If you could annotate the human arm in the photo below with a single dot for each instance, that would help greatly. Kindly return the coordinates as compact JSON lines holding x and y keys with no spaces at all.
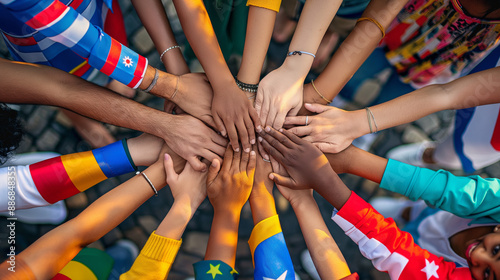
{"x":189,"y":190}
{"x":270,"y":255}
{"x":48,"y":255}
{"x":333,"y":129}
{"x":153,"y":17}
{"x":280,"y":92}
{"x":379,"y":239}
{"x":355,"y":49}
{"x":228,"y":190}
{"x":29,"y":83}
{"x":233,"y":113}
{"x":58,"y":178}
{"x":325,"y":253}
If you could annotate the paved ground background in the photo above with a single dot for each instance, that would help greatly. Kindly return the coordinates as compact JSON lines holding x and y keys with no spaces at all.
{"x":48,"y":130}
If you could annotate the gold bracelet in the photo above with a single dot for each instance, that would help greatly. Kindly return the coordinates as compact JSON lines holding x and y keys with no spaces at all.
{"x":376,"y":23}
{"x":317,"y":91}
{"x":176,"y":88}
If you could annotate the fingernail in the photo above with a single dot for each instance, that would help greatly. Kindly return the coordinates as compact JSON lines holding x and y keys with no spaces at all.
{"x":223,"y":133}
{"x":213,"y":163}
{"x":167,"y":156}
{"x":252,"y":153}
{"x":252,"y":141}
{"x":259,"y":128}
{"x":247,"y":150}
{"x":237,"y":149}
{"x":281,"y":130}
{"x":268,"y":128}
{"x":260,"y":139}
{"x":271,"y":176}
{"x":266,"y":156}
{"x":308,"y":104}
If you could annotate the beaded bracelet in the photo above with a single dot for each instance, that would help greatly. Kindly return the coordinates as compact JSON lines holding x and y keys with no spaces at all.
{"x":300,"y":53}
{"x":165,"y":51}
{"x":246,"y":87}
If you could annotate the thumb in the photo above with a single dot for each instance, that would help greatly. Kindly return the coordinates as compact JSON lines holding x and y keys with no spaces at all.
{"x":259,"y":99}
{"x":169,"y":169}
{"x":282,"y":180}
{"x":196,"y":164}
{"x":327,"y":147}
{"x":213,"y":171}
{"x":317,"y":108}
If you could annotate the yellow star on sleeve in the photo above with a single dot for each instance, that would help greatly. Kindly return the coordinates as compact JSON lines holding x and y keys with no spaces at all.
{"x":234,"y":271}
{"x":214,"y":270}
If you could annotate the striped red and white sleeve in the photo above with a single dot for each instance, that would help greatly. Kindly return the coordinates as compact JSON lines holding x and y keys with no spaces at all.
{"x":390,"y":249}
{"x":58,"y":178}
{"x":64,"y":25}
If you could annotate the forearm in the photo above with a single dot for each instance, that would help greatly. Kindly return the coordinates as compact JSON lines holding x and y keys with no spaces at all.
{"x":262,"y":200}
{"x":152,"y":15}
{"x":223,"y":237}
{"x":179,"y":215}
{"x":326,"y":255}
{"x":259,"y":31}
{"x":51,"y":86}
{"x":49,"y":254}
{"x":201,"y":36}
{"x":356,"y":48}
{"x":358,"y":162}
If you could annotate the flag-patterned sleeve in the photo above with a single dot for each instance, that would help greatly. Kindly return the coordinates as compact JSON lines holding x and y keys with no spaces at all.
{"x":64,"y":25}
{"x":269,"y":252}
{"x":390,"y":249}
{"x":60,"y":177}
{"x":214,"y":269}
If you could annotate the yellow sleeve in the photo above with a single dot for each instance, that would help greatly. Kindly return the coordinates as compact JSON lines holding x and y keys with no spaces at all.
{"x":155,"y":259}
{"x":268,"y":4}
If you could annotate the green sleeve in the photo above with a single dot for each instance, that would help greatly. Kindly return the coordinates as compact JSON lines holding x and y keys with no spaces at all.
{"x":469,"y":197}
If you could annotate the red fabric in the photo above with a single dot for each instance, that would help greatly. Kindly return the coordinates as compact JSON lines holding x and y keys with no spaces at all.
{"x":48,"y":15}
{"x":495,"y":138}
{"x":113,"y":57}
{"x":114,"y":25}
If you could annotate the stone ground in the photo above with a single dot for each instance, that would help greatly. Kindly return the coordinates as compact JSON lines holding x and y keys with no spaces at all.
{"x":48,"y":130}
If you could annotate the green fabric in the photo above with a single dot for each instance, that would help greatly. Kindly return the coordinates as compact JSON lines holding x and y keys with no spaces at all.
{"x":99,"y":262}
{"x":209,"y":270}
{"x":229,"y":20}
{"x":127,"y":152}
{"x":469,"y":197}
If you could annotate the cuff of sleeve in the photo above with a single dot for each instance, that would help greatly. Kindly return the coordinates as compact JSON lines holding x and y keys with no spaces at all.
{"x":268,"y":4}
{"x":263,"y":230}
{"x":161,"y":248}
{"x":353,"y":276}
{"x":127,"y":152}
{"x":208,"y":270}
{"x":353,"y":211}
{"x":113,"y":160}
{"x":398,"y":177}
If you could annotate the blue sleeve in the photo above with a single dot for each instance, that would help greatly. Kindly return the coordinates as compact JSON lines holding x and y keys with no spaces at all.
{"x":469,"y":197}
{"x":209,"y":270}
{"x":269,"y":252}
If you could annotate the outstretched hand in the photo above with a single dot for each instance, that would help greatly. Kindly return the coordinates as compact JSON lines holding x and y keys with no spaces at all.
{"x":331,"y":130}
{"x":189,"y":185}
{"x":235,"y":116}
{"x":229,"y":186}
{"x":190,"y":138}
{"x":306,"y":165}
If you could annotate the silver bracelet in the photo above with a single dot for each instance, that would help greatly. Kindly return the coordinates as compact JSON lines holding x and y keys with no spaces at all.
{"x":149,"y":182}
{"x":153,"y":83}
{"x":370,"y":114}
{"x":170,"y":48}
{"x":300,"y":53}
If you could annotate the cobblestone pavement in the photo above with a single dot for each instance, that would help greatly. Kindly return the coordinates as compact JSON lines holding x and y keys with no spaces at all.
{"x":48,"y":130}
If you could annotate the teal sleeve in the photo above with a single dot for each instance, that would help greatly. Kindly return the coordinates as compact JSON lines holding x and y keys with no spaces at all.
{"x":469,"y":197}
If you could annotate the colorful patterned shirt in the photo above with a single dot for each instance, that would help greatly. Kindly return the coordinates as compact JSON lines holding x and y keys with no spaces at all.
{"x":435,"y":41}
{"x":67,"y":35}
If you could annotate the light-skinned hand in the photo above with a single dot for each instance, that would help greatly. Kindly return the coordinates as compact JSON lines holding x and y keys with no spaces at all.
{"x":280,"y":94}
{"x":229,"y":186}
{"x":189,"y":185}
{"x":331,"y":130}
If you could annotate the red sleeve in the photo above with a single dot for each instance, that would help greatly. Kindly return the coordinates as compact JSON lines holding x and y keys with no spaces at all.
{"x":390,"y":249}
{"x":353,"y":276}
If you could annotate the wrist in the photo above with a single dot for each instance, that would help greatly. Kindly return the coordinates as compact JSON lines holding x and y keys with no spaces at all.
{"x":360,"y":123}
{"x":187,"y":204}
{"x":228,"y":214}
{"x":298,"y":64}
{"x":302,"y":203}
